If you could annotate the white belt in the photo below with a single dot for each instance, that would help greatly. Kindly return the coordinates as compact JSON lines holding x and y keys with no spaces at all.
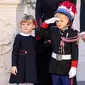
{"x":64,"y":57}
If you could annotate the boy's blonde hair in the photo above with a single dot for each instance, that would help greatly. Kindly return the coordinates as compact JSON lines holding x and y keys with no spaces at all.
{"x":29,"y":19}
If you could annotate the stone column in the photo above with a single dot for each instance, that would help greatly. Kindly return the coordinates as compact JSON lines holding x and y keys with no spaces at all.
{"x":11,"y":11}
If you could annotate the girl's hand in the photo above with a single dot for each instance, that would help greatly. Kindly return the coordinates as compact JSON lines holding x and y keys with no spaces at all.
{"x":14,"y":70}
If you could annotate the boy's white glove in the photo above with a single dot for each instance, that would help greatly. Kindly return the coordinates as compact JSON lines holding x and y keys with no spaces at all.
{"x":51,"y":20}
{"x":72,"y":72}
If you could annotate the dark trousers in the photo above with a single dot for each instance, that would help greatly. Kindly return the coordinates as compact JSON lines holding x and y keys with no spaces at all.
{"x":60,"y":80}
{"x":63,"y":80}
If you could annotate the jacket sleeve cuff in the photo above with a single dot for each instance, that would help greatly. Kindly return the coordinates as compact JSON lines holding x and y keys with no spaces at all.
{"x":13,"y":64}
{"x":74,"y":63}
{"x":44,"y":25}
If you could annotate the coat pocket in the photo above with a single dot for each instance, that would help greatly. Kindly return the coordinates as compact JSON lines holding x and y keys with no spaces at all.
{"x":23,"y":52}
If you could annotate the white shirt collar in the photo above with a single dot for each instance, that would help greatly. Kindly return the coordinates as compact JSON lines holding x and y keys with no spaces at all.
{"x":32,"y":34}
{"x":23,"y":34}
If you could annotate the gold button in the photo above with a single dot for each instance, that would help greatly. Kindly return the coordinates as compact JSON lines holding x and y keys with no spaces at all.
{"x":59,"y":47}
{"x":59,"y":51}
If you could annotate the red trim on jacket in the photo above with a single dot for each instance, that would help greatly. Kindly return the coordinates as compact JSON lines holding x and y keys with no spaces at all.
{"x":44,"y":25}
{"x":74,"y":63}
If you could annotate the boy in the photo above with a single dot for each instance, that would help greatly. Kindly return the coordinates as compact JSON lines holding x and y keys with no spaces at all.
{"x":64,"y":60}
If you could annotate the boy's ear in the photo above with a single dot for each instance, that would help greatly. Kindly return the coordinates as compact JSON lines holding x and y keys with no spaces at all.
{"x":68,"y":24}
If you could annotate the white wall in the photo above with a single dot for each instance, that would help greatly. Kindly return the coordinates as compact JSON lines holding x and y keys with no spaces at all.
{"x":81,"y":66}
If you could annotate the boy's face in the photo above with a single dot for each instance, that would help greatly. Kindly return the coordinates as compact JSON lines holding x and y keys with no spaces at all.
{"x":63,"y":22}
{"x":27,"y":27}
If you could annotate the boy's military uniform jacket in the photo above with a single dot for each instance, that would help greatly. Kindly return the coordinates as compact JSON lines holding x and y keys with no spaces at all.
{"x":62,"y":55}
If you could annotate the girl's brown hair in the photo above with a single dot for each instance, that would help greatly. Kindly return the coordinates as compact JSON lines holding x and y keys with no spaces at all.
{"x":29,"y":19}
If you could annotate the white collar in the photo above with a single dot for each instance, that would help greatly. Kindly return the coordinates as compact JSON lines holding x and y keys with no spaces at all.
{"x":23,"y":34}
{"x":66,"y":28}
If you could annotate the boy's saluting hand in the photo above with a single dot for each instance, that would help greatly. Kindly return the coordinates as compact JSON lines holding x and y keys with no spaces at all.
{"x":52,"y":20}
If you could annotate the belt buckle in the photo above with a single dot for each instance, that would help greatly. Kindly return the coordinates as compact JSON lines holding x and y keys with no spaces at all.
{"x":59,"y":57}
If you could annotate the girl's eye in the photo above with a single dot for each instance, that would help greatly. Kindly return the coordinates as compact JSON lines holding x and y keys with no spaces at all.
{"x":28,"y":24}
{"x":23,"y":24}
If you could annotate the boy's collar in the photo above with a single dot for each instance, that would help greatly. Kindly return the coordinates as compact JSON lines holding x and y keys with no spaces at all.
{"x":66,"y":28}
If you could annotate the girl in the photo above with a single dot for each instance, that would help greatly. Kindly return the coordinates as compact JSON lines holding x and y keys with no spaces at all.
{"x":23,"y":54}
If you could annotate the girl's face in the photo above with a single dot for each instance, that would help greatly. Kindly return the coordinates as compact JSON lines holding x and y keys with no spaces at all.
{"x":27,"y":27}
{"x":63,"y":22}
